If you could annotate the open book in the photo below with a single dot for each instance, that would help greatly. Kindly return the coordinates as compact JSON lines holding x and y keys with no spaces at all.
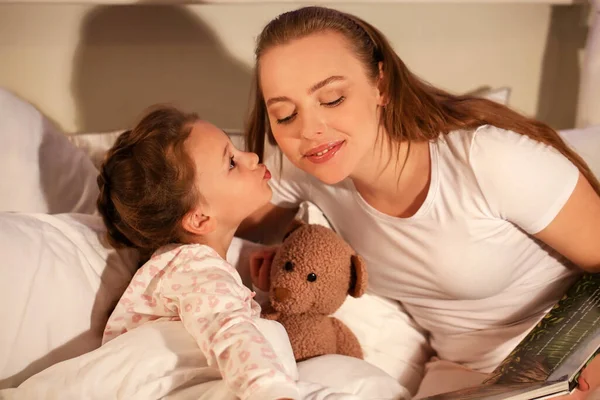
{"x":548,"y":361}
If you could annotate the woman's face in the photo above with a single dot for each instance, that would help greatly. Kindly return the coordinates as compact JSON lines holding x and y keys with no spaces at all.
{"x":323,"y":108}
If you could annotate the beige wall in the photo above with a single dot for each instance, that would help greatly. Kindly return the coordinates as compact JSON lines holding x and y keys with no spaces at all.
{"x":95,"y":68}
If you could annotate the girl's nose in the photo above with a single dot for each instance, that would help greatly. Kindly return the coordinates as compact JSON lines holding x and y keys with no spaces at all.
{"x":251,"y":160}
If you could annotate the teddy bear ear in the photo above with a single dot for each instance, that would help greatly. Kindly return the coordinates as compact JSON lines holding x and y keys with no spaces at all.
{"x":295,"y":224}
{"x":358,"y":283}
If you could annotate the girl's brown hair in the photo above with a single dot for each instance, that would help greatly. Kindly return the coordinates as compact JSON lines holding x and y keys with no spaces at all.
{"x":415,"y":111}
{"x":147,"y":182}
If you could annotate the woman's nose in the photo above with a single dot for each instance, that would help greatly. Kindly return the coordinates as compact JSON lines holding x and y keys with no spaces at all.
{"x":312,"y":126}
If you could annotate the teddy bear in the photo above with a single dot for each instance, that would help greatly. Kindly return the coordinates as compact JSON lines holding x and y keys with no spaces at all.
{"x":312,"y":272}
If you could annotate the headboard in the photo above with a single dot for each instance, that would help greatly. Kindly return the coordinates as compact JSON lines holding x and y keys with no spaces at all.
{"x":94,"y":65}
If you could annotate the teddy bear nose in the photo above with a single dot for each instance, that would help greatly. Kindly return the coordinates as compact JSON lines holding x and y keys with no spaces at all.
{"x":282,"y":294}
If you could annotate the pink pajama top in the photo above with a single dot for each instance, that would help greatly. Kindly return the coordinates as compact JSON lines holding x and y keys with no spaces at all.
{"x":193,"y":284}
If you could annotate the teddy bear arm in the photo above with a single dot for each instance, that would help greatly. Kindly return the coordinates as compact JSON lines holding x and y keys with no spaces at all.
{"x":347,"y":343}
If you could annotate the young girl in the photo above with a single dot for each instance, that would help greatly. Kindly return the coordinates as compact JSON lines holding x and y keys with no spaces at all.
{"x":176,"y":188}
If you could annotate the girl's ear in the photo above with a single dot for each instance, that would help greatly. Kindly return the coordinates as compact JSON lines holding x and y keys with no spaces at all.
{"x":196,"y":222}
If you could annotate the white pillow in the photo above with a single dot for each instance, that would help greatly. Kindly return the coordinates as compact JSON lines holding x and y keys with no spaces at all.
{"x":586,"y":142}
{"x":61,"y":281}
{"x":95,"y":145}
{"x":41,"y":171}
{"x":499,"y":95}
{"x":351,"y":375}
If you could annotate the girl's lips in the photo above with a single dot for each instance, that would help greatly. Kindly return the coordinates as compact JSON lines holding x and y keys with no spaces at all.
{"x":267,"y":175}
{"x":324,"y":153}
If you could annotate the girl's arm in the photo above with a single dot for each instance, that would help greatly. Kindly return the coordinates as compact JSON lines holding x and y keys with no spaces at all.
{"x":217,"y":311}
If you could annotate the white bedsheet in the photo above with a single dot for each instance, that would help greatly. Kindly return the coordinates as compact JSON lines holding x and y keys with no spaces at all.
{"x":162,"y":361}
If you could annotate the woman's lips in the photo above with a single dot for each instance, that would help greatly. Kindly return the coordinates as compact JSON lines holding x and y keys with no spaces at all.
{"x":323,"y":153}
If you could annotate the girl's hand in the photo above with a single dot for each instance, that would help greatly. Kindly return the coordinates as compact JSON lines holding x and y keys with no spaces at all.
{"x":260,"y":267}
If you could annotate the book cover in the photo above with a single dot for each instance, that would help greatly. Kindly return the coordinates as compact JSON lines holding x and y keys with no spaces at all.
{"x":508,"y":391}
{"x":550,"y":358}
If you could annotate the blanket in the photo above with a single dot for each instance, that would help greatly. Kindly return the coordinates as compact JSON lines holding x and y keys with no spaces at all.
{"x":162,"y":361}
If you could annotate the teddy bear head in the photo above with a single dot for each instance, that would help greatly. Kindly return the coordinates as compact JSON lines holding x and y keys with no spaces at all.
{"x":314,"y":270}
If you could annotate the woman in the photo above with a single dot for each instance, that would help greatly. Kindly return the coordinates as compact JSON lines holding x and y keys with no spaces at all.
{"x":474,"y":218}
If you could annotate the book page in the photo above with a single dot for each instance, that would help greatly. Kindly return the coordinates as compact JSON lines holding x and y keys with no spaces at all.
{"x":565,"y":338}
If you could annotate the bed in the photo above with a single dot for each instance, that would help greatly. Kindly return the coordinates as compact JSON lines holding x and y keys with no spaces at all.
{"x":59,"y":278}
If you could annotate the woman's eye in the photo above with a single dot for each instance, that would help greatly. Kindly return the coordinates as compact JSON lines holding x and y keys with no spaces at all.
{"x":286,"y":119}
{"x":231,"y":163}
{"x":335,"y":102}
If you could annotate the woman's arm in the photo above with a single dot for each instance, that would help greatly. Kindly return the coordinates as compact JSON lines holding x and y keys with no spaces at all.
{"x":575,"y":231}
{"x":267,"y":225}
{"x":535,"y":187}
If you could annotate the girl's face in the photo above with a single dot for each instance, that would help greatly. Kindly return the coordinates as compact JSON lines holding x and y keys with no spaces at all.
{"x":232,"y":182}
{"x":323,"y":108}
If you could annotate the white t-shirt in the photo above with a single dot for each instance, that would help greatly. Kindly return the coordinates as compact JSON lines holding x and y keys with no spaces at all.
{"x":464,"y":266}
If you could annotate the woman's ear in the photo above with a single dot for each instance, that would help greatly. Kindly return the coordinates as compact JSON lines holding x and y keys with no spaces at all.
{"x":383,"y":98}
{"x":197,"y":223}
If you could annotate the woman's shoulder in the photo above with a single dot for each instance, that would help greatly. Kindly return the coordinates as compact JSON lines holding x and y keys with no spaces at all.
{"x":491,"y":144}
{"x":482,"y":135}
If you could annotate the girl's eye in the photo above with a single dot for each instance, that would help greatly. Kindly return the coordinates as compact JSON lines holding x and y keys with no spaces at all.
{"x":335,"y":102}
{"x":231,"y":163}
{"x":286,"y":119}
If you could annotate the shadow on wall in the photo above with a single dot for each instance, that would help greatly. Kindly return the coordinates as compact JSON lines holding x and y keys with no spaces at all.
{"x":559,"y":86}
{"x":131,"y":57}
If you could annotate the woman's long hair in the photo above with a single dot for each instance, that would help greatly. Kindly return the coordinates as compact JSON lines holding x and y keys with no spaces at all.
{"x":415,"y":110}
